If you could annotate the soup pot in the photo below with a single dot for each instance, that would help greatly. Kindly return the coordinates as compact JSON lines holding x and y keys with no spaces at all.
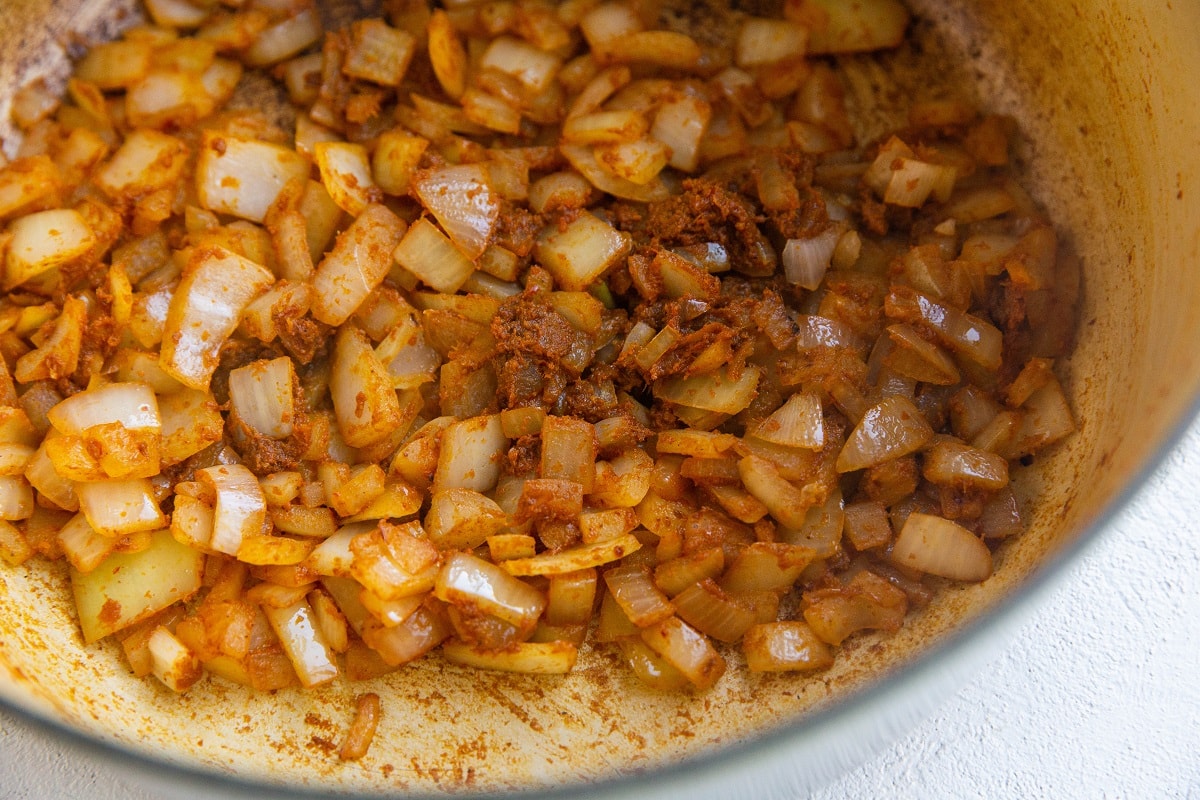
{"x":1107,"y":101}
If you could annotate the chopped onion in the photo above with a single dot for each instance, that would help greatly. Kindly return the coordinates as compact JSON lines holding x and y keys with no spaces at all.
{"x":240,"y":508}
{"x":133,"y":405}
{"x":205,"y":309}
{"x":797,"y":423}
{"x":716,"y":391}
{"x":303,"y":642}
{"x":470,"y":454}
{"x":578,"y":253}
{"x":709,"y":610}
{"x":461,"y":199}
{"x":940,"y":547}
{"x":470,"y":581}
{"x":572,"y":559}
{"x":243,"y":177}
{"x":785,"y":646}
{"x":687,"y":650}
{"x":427,"y":253}
{"x":633,"y":588}
{"x":119,"y":508}
{"x":892,"y":428}
{"x":805,"y":261}
{"x":357,"y":264}
{"x":461,"y":519}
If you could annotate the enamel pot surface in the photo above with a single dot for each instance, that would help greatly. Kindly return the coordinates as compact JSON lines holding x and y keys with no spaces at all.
{"x":1106,"y":96}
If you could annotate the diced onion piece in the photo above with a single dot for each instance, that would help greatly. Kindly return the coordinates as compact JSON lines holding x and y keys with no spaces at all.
{"x":240,"y":509}
{"x":396,"y":156}
{"x":785,"y":646}
{"x":133,"y":405}
{"x":534,"y":68}
{"x":913,"y":181}
{"x":856,"y":27}
{"x":586,"y":161}
{"x":669,"y":49}
{"x":129,"y":587}
{"x":678,"y":574}
{"x":42,"y":475}
{"x":766,"y":566}
{"x":84,"y":548}
{"x":569,"y":450}
{"x":467,"y":580}
{"x":446,"y":54}
{"x":534,"y":658}
{"x":470,"y":455}
{"x":177,"y":13}
{"x":769,"y":41}
{"x":192,"y":523}
{"x":362,"y":729}
{"x":427,"y":253}
{"x":596,"y":526}
{"x":650,"y":667}
{"x":571,"y":598}
{"x":892,"y":428}
{"x":358,"y":263}
{"x":967,"y":335}
{"x":639,"y":162}
{"x":461,"y":519}
{"x":119,"y":508}
{"x":604,"y":127}
{"x":346,"y":173}
{"x":171,"y":662}
{"x":58,"y":356}
{"x":637,"y":595}
{"x":303,"y":642}
{"x":378,"y":52}
{"x":463,"y":202}
{"x":786,"y":503}
{"x":687,"y":650}
{"x":680,"y":124}
{"x":391,"y":612}
{"x":364,"y":401}
{"x":575,"y":558}
{"x":866,"y":525}
{"x":285,"y":39}
{"x":205,"y":309}
{"x":937,"y":546}
{"x":709,"y":610}
{"x":715,"y":391}
{"x":797,"y":423}
{"x":951,"y":463}
{"x":333,"y":556}
{"x":805,"y":261}
{"x":115,"y":65}
{"x":191,"y":421}
{"x":623,"y":481}
{"x":261,"y":394}
{"x":424,"y":630}
{"x":243,"y":177}
{"x":42,"y":241}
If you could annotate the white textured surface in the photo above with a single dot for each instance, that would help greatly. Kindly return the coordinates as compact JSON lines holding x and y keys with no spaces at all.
{"x":1098,"y":696}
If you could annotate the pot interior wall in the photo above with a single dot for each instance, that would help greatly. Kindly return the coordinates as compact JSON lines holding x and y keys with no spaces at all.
{"x":1108,"y":101}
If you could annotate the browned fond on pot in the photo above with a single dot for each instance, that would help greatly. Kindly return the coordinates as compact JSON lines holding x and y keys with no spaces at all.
{"x":1105,"y":92}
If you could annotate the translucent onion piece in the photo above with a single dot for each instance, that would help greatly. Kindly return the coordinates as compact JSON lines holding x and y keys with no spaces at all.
{"x":461,"y":200}
{"x":460,"y":519}
{"x":709,"y":610}
{"x":473,"y":582}
{"x":890,"y":429}
{"x":357,"y":264}
{"x":240,"y":509}
{"x":575,"y":558}
{"x":687,"y":650}
{"x":650,"y":667}
{"x":797,"y":423}
{"x":205,"y":309}
{"x":422,"y":631}
{"x":579,"y":252}
{"x":171,"y":662}
{"x":45,"y":240}
{"x":969,"y":336}
{"x":805,"y":261}
{"x":470,"y":454}
{"x":785,"y":646}
{"x":303,"y":642}
{"x":535,"y":658}
{"x":119,"y":508}
{"x":633,"y":588}
{"x":940,"y":547}
{"x":243,"y":177}
{"x":951,"y":463}
{"x":716,"y":391}
{"x":261,"y":394}
{"x":364,"y":400}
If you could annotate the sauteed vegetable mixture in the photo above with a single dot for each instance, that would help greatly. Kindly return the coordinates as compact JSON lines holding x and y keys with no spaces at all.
{"x":508,"y":330}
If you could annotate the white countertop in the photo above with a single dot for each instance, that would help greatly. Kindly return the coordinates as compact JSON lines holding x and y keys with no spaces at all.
{"x":1098,"y":696}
